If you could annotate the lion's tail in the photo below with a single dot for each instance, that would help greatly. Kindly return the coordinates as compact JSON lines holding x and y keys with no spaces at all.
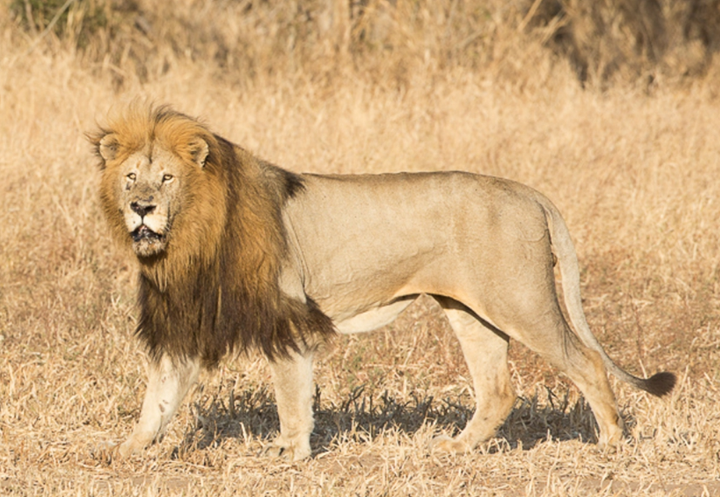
{"x":659,"y":384}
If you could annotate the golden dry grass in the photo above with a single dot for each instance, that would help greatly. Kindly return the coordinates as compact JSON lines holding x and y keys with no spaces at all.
{"x":634,"y":175}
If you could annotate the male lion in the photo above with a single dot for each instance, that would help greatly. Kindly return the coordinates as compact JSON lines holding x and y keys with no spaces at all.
{"x":235,"y":253}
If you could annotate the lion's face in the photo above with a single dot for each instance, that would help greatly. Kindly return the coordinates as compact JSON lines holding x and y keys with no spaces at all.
{"x":148,"y":187}
{"x":149,"y":199}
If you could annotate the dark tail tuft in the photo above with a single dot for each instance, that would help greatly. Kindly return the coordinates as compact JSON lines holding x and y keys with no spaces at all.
{"x":660,"y":384}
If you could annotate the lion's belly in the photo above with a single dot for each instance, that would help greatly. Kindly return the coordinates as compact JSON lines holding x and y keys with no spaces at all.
{"x":360,"y":277}
{"x":374,"y":318}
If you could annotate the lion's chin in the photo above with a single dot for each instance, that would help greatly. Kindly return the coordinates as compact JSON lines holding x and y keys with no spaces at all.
{"x":146,"y":242}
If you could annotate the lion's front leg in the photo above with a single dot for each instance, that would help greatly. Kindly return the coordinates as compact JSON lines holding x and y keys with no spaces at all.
{"x":168,"y":382}
{"x":293,"y":381}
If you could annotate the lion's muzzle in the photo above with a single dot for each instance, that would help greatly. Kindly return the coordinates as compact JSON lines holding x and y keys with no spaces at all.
{"x":142,"y":208}
{"x":144,"y":233}
{"x":146,"y":223}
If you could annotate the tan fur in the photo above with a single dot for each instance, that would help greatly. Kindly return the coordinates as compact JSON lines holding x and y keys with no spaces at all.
{"x":237,"y":253}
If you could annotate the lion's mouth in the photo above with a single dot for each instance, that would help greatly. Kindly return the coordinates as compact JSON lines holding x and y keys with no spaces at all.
{"x":142,"y":232}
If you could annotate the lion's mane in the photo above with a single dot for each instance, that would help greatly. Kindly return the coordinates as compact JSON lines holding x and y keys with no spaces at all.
{"x":215,"y":290}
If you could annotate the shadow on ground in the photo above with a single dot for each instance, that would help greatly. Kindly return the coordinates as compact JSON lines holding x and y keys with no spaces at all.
{"x":362,"y":417}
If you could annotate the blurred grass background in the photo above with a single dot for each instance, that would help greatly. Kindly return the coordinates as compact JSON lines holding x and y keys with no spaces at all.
{"x":606,"y":42}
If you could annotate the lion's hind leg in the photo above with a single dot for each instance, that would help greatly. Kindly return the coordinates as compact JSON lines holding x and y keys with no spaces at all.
{"x":585,"y":368}
{"x":538,"y":323}
{"x":485,"y":352}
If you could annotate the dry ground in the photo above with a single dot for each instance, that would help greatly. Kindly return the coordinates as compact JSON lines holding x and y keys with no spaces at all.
{"x":635,"y":176}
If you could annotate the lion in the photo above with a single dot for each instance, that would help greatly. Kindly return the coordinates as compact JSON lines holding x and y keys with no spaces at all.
{"x":235,"y":253}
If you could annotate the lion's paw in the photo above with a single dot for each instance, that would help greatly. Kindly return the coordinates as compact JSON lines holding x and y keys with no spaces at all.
{"x":610,"y":439}
{"x":286,"y":451}
{"x":448,"y":445}
{"x":109,"y":451}
{"x":106,"y":452}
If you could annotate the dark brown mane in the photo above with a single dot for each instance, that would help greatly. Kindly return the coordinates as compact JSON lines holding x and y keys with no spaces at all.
{"x":220,"y":294}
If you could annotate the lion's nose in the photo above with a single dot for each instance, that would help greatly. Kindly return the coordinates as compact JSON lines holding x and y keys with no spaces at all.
{"x":142,"y":208}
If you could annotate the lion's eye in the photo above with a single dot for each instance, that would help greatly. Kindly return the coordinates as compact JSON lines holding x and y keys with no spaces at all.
{"x":131,"y":176}
{"x":168,"y":178}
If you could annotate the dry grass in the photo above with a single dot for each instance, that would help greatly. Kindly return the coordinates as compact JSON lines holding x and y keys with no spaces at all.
{"x":635,"y":176}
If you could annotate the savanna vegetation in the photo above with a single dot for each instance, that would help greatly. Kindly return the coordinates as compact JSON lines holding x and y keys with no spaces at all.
{"x":611,"y":108}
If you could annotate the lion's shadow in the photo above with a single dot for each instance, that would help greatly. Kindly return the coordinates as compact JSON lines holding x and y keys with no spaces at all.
{"x":362,"y":417}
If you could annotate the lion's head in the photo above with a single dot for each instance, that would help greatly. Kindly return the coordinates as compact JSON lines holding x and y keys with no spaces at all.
{"x":155,"y":163}
{"x":204,"y":218}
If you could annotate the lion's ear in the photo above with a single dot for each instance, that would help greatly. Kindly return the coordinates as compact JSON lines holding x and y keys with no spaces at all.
{"x":199,"y":150}
{"x":107,"y":147}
